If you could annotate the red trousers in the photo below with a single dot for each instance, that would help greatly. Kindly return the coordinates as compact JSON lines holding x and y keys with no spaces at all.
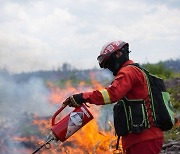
{"x":153,"y":146}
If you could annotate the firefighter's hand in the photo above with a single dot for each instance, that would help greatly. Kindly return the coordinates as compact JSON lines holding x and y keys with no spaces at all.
{"x":74,"y":100}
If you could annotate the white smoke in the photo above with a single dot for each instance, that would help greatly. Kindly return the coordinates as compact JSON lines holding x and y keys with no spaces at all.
{"x":24,"y":97}
{"x":20,"y":100}
{"x":105,"y":120}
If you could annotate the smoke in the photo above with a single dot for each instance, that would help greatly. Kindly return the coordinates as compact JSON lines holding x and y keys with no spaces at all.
{"x":20,"y":100}
{"x":23,"y":97}
{"x":105,"y":120}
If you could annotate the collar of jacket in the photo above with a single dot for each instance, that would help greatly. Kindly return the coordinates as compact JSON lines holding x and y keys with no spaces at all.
{"x":125,"y":64}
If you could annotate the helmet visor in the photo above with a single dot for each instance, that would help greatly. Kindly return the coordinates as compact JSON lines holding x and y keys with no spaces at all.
{"x":102,"y":59}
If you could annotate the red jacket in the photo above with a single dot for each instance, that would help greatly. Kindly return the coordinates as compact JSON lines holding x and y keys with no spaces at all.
{"x":130,"y":82}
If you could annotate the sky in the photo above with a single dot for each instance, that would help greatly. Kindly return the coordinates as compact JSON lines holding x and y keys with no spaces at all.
{"x":44,"y":34}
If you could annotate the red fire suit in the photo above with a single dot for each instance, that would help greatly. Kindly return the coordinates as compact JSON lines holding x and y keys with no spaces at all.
{"x":130,"y":82}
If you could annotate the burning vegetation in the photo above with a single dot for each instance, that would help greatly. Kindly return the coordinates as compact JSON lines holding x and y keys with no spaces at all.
{"x":26,"y":121}
{"x":30,"y":130}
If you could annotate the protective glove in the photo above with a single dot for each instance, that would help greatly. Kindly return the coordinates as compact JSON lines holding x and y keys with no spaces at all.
{"x":75,"y":100}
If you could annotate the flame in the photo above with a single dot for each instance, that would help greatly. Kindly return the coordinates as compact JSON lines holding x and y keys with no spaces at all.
{"x":89,"y":139}
{"x":42,"y":123}
{"x":30,"y":139}
{"x":93,"y":139}
{"x":60,"y":94}
{"x":95,"y":83}
{"x":56,"y":93}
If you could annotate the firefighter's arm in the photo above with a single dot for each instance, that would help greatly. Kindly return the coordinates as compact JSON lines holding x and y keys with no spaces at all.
{"x":94,"y":97}
{"x":121,"y":85}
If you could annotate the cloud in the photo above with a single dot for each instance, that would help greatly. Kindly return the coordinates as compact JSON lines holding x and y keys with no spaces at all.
{"x":41,"y":34}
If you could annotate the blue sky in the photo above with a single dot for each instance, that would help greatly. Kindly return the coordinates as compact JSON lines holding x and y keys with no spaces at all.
{"x":43,"y":34}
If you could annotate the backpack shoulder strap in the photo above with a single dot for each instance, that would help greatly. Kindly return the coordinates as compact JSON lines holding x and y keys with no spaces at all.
{"x":142,"y":68}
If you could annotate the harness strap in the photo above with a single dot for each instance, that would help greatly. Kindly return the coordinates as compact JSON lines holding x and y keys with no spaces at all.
{"x":117,"y":144}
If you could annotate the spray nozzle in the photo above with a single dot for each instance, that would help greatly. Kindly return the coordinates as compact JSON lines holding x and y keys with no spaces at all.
{"x":47,"y":144}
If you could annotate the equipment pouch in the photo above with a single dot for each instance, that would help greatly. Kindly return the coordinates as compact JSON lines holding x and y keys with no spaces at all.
{"x":138,"y":116}
{"x":130,"y":116}
{"x":121,"y":118}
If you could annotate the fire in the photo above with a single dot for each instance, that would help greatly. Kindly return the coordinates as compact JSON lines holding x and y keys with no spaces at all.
{"x":30,"y":139}
{"x":42,"y":123}
{"x":95,"y":83}
{"x":60,"y":94}
{"x":89,"y":139}
{"x":56,"y":93}
{"x":92,"y":139}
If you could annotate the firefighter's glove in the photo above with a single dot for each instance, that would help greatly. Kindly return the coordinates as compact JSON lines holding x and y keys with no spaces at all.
{"x":75,"y":100}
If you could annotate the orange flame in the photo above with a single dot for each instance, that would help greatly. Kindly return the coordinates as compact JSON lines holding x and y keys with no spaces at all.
{"x":88,"y":139}
{"x":59,"y":95}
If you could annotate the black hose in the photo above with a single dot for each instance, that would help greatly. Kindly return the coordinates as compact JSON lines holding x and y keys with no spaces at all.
{"x":47,"y":142}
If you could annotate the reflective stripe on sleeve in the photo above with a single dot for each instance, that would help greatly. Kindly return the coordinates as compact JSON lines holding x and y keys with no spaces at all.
{"x":106,"y":96}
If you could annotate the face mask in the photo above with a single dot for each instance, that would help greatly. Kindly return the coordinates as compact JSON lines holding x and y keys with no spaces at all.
{"x":114,"y":63}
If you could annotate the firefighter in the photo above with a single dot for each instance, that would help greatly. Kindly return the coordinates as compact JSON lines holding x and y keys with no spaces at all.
{"x":129,"y":82}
